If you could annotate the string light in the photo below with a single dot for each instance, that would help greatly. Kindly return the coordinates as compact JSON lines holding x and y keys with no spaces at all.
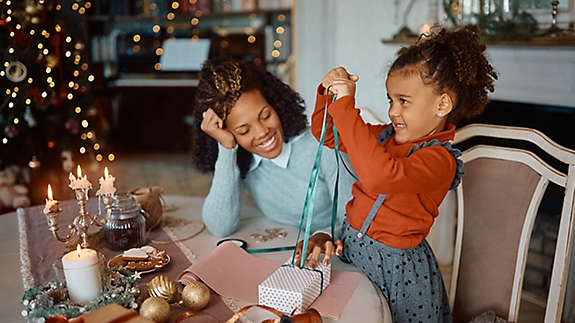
{"x":83,"y":136}
{"x":251,"y":39}
{"x":30,"y":80}
{"x":14,"y":94}
{"x":111,"y":157}
{"x":40,"y":45}
{"x":156,"y":28}
{"x":82,"y":11}
{"x":11,"y":104}
{"x":170,"y":16}
{"x":68,"y":39}
{"x":136,"y":38}
{"x":76,"y":73}
{"x":78,"y":110}
{"x":11,"y":50}
{"x":49,"y":79}
{"x":12,"y":34}
{"x":175,"y":5}
{"x":277,"y":44}
{"x":159,"y":51}
{"x":4,"y":140}
{"x":45,"y":51}
{"x":195,"y":21}
{"x":82,"y":150}
{"x":90,"y":78}
{"x":28,"y":101}
{"x":97,"y":146}
{"x":70,"y":96}
{"x":85,"y":123}
{"x":70,"y":84}
{"x":75,"y":6}
{"x":280,"y":30}
{"x":275,"y":53}
{"x":16,"y":120}
{"x":99,"y":157}
{"x":68,"y":53}
{"x":88,"y":4}
{"x":157,"y":66}
{"x":57,"y":28}
{"x":2,"y":73}
{"x":90,"y":135}
{"x":48,"y":69}
{"x":32,"y":32}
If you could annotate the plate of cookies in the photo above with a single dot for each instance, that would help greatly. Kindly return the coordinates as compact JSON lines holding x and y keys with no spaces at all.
{"x":144,"y":260}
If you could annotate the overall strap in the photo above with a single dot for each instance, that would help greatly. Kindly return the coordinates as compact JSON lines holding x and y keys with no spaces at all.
{"x":374,"y":208}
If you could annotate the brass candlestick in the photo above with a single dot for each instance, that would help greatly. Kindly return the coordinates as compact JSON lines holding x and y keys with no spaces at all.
{"x":554,"y":30}
{"x":81,"y":224}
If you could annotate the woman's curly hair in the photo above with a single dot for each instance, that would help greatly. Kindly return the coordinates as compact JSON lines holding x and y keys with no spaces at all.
{"x":222,"y":82}
{"x":453,"y":60}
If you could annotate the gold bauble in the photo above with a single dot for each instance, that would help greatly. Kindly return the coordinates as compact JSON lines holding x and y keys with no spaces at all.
{"x":196,"y":295}
{"x":162,"y":286}
{"x":155,"y":309}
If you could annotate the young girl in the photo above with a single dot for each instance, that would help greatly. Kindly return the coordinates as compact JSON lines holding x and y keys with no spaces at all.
{"x":251,"y":130}
{"x":406,"y":168}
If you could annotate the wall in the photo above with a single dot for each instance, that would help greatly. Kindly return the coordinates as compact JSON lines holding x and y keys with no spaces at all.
{"x":332,"y":33}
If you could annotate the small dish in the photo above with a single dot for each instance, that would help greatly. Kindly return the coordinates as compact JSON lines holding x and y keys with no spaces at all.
{"x":141,"y":266}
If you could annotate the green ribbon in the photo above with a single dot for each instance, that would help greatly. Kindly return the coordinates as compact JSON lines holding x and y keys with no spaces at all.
{"x":307,"y":214}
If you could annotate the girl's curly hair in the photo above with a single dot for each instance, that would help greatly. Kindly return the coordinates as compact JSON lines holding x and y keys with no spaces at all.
{"x":453,"y":60}
{"x":222,"y":82}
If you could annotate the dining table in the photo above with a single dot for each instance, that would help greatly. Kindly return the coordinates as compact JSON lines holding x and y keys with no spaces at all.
{"x":24,"y":262}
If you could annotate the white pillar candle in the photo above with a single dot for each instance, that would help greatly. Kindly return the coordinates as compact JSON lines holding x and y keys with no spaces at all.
{"x":82,"y":273}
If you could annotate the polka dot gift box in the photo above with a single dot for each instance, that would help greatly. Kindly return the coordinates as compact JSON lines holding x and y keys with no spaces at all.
{"x":291,"y":289}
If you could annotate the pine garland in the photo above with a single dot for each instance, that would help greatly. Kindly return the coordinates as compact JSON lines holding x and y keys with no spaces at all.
{"x":51,"y":298}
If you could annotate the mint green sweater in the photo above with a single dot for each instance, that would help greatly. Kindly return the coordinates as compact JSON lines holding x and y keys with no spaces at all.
{"x":278,"y":192}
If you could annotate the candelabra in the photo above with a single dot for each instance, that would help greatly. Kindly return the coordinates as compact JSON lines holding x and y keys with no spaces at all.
{"x":79,"y":227}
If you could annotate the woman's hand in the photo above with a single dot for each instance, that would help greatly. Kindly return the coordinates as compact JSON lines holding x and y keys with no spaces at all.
{"x":340,"y":82}
{"x":213,"y":125}
{"x":318,"y":243}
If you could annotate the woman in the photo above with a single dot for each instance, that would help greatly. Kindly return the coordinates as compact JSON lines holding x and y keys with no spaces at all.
{"x":251,"y":131}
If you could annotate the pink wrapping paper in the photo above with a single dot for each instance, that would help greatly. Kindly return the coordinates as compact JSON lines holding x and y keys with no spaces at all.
{"x":232,"y":272}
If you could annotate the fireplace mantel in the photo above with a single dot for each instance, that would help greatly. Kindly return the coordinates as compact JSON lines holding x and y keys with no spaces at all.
{"x":541,"y":75}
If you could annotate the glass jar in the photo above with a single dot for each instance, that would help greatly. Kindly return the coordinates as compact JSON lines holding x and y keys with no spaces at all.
{"x":126,"y":225}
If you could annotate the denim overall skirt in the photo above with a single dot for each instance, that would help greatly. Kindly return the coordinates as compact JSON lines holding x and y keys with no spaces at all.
{"x":409,"y":278}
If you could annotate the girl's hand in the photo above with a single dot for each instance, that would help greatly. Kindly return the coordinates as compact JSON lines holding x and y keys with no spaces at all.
{"x":342,"y":83}
{"x":318,"y":243}
{"x":214,"y":127}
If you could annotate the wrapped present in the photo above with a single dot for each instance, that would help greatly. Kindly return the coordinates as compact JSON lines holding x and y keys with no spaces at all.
{"x":291,"y":289}
{"x":111,"y":313}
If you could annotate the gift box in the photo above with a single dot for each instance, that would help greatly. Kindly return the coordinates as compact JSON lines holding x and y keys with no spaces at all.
{"x":111,"y":313}
{"x":291,"y":289}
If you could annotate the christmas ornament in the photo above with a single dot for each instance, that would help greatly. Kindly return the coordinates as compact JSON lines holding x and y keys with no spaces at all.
{"x":29,"y":117}
{"x":162,"y":286}
{"x":34,"y":163}
{"x":155,"y":309}
{"x":11,"y":131}
{"x":52,"y":60}
{"x":196,"y":295}
{"x":16,"y":71}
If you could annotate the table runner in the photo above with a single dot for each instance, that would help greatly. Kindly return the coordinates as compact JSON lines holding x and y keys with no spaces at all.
{"x":39,"y":250}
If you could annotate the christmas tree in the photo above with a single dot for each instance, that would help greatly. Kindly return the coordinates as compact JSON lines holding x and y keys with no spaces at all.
{"x":49,"y":119}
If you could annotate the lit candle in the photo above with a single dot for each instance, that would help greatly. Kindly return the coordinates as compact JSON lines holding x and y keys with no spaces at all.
{"x":51,"y":203}
{"x":81,"y":182}
{"x":82,"y":273}
{"x":106,"y":184}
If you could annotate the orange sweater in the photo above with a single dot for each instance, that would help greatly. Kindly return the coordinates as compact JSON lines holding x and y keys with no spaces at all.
{"x":415,"y":185}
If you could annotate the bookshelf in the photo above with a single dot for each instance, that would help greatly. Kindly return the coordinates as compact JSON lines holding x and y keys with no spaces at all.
{"x":126,"y":45}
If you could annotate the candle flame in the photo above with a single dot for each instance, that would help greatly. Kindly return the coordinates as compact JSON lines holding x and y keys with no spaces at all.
{"x":50,"y":196}
{"x":78,"y":249}
{"x":105,"y":172}
{"x":79,"y":171}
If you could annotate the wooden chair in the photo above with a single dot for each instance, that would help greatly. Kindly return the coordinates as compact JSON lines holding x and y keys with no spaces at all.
{"x":497,"y":202}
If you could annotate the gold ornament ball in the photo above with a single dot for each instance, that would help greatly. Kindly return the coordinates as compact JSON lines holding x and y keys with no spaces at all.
{"x":196,"y":295}
{"x":155,"y":309}
{"x":164,"y":287}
